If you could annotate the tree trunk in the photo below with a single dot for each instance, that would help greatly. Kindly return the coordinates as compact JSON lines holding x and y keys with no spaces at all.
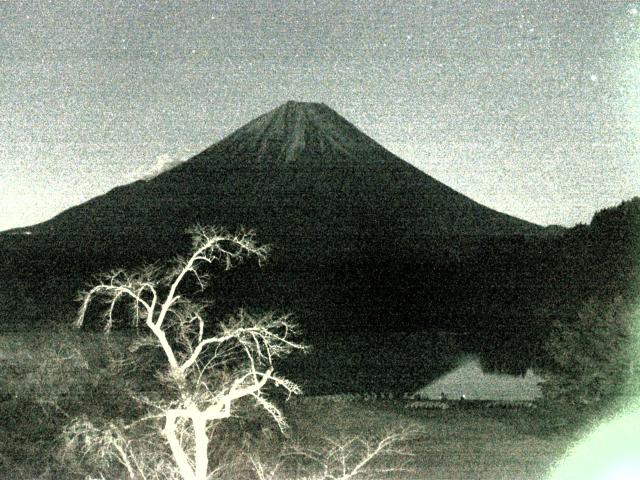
{"x":202,"y":444}
{"x":176,"y":449}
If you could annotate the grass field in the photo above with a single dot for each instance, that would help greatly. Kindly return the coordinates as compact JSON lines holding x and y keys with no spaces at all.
{"x":44,"y":370}
{"x":458,"y":443}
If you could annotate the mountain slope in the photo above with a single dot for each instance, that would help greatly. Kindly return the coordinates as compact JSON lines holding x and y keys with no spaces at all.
{"x":306,"y":179}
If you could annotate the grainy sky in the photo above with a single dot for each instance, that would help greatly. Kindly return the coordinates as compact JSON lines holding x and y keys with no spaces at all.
{"x":529,"y":107}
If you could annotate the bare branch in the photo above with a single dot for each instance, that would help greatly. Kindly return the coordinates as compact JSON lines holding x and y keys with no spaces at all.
{"x":201,"y":372}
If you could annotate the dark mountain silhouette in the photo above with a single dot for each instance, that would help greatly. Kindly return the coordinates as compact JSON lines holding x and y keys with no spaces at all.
{"x":363,"y":242}
{"x":306,"y":179}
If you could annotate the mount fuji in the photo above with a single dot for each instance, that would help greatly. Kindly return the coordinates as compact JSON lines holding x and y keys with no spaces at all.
{"x":308,"y":181}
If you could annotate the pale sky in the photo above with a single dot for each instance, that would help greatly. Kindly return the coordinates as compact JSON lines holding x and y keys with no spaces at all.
{"x":529,"y":107}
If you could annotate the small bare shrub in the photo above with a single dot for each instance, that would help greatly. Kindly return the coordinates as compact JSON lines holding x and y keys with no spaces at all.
{"x":344,"y":459}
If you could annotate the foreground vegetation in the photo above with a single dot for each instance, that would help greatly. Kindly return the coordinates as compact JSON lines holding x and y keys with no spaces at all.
{"x":175,"y":396}
{"x":456,"y":443}
{"x":165,"y":395}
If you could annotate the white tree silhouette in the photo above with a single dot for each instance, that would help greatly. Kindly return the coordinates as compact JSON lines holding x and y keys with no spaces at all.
{"x":204,"y":371}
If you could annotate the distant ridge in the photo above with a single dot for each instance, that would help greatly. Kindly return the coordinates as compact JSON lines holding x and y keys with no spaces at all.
{"x":305,"y":178}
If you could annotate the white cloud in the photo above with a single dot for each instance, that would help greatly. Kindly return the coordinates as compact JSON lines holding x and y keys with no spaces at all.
{"x":163,"y":162}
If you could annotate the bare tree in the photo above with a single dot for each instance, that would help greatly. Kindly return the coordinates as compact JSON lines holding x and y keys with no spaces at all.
{"x":209,"y":374}
{"x":347,"y":459}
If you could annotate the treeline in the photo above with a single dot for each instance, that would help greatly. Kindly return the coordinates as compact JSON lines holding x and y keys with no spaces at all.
{"x":528,"y":287}
{"x":503,"y":298}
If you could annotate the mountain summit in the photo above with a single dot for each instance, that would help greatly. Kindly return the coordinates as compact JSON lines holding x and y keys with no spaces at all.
{"x":297,"y":131}
{"x":305,"y":178}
